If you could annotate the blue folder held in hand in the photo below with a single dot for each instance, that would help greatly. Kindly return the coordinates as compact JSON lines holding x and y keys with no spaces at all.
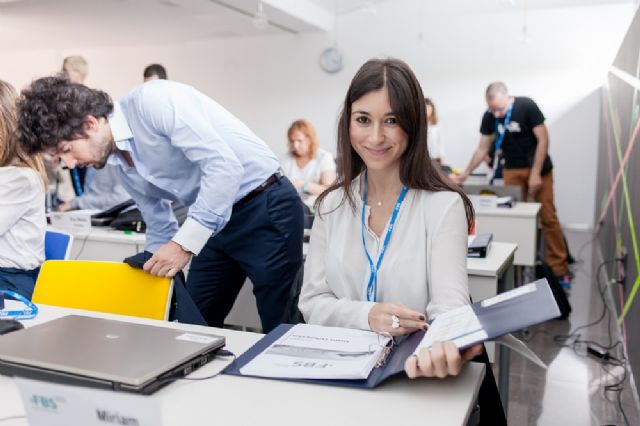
{"x":499,"y":315}
{"x":494,"y":317}
{"x":391,"y":365}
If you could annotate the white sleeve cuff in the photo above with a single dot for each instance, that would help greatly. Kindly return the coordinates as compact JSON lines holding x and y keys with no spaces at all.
{"x":362,"y":319}
{"x":192,"y":235}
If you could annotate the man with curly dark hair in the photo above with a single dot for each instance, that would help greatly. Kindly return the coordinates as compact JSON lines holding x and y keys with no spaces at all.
{"x":170,"y":142}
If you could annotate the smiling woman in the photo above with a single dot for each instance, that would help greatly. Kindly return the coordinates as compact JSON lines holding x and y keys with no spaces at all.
{"x":385,"y":176}
{"x":388,"y":248}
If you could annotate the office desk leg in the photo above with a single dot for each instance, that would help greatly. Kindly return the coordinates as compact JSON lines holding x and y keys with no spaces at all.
{"x":506,"y":284}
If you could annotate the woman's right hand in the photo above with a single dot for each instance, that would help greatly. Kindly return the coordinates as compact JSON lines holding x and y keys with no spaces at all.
{"x":381,"y":319}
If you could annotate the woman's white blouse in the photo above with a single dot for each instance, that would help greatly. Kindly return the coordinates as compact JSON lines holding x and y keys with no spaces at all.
{"x":22,"y":218}
{"x":312,"y":171}
{"x":424,"y":266}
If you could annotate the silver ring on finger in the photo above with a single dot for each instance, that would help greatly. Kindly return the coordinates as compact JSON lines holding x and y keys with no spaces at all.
{"x":395,"y":321}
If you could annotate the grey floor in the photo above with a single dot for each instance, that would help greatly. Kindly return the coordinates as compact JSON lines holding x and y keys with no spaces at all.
{"x":572,"y":390}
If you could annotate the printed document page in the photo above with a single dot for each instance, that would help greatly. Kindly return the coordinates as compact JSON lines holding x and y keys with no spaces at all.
{"x":461,"y":325}
{"x":317,"y":352}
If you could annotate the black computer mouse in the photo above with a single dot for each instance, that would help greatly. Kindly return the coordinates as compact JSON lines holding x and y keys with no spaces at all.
{"x":7,"y":326}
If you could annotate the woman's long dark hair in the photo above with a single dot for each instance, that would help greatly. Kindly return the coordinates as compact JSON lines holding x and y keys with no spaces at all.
{"x":417,"y":171}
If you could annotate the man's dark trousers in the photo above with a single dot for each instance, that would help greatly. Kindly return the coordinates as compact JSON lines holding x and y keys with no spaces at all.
{"x":262,"y":241}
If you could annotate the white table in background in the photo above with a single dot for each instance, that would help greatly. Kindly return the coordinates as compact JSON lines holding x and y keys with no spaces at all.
{"x":487,"y":277}
{"x":104,"y":243}
{"x":488,"y":273}
{"x":518,"y":224}
{"x":485,"y":273}
{"x":232,"y":400}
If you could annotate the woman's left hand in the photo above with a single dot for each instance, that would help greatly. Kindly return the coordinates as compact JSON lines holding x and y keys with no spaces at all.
{"x":441,"y":360}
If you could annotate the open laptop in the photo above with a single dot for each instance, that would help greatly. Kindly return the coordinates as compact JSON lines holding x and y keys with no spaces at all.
{"x":103,"y":353}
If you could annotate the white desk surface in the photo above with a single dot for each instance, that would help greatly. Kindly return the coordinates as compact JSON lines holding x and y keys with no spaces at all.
{"x":520,"y":209}
{"x":495,"y":263}
{"x":232,"y":400}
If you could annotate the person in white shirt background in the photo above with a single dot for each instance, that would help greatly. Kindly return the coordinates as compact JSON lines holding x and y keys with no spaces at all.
{"x":102,"y":191}
{"x":310,"y":168}
{"x":388,"y":247}
{"x":22,"y":194}
{"x":434,"y":138}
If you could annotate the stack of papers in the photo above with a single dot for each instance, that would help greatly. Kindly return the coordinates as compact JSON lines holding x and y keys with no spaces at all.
{"x":316,"y":352}
{"x":495,"y":317}
{"x":460,"y":325}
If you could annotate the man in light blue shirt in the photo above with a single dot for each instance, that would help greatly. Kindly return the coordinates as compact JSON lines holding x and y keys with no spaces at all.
{"x":170,"y":142}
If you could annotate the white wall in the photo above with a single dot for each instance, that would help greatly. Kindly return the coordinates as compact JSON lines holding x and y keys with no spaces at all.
{"x":270,"y":81}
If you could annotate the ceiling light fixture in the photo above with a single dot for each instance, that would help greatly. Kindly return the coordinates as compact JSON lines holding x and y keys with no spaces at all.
{"x":260,"y":19}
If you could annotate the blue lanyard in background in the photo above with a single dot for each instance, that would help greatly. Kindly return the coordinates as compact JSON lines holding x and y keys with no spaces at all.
{"x":501,"y":135}
{"x":76,"y":181}
{"x":372,"y":285}
{"x":30,"y":310}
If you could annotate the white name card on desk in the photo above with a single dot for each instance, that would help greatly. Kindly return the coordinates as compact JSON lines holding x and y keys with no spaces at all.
{"x":60,"y":405}
{"x":77,"y":221}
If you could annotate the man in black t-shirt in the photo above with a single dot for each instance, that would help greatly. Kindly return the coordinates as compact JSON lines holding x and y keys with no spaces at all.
{"x":522,"y":142}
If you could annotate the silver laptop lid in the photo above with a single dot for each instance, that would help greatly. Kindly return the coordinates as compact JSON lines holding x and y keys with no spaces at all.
{"x":106,"y":349}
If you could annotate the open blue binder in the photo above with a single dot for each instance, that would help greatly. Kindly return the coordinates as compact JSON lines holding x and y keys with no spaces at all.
{"x":518,"y":312}
{"x":393,"y":364}
{"x":505,"y":313}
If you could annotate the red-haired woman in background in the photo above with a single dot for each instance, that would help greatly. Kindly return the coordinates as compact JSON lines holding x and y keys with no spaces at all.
{"x":310,"y":168}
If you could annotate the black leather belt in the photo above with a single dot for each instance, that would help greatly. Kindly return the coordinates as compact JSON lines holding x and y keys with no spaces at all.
{"x":260,"y":188}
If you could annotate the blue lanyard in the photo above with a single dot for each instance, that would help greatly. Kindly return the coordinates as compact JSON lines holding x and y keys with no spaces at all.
{"x":501,"y":134}
{"x":76,"y":181}
{"x":30,"y":310}
{"x":372,"y":285}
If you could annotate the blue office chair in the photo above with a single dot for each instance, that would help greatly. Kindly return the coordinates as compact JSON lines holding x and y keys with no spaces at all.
{"x":57,"y":245}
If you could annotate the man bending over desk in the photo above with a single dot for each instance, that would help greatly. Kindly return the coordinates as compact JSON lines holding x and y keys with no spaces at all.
{"x":171,"y":142}
{"x":522,"y":142}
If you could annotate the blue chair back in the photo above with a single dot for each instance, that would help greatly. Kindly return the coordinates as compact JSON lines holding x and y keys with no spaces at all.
{"x":57,"y":245}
